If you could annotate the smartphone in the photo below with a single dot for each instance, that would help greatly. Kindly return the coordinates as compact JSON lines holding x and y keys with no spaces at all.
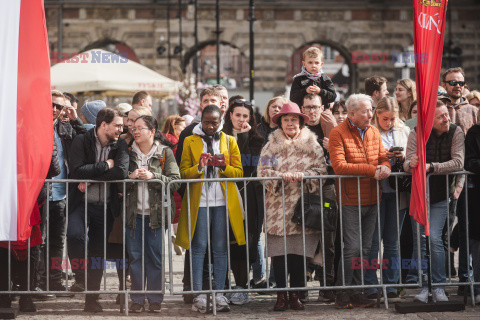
{"x":393,"y":149}
{"x":219,"y":159}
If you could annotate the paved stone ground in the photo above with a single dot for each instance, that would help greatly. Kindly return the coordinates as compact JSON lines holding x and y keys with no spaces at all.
{"x":260,"y":307}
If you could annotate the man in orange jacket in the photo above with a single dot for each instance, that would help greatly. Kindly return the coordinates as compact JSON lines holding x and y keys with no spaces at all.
{"x":356,"y":149}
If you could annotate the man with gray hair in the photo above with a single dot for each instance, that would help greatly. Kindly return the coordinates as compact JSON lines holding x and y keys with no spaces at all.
{"x":356,"y":148}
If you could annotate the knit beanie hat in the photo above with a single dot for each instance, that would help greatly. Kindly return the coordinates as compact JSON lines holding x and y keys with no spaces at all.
{"x":91,"y":109}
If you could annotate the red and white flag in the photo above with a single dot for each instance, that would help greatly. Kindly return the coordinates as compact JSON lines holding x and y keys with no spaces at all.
{"x":428,"y":30}
{"x":26,"y":127}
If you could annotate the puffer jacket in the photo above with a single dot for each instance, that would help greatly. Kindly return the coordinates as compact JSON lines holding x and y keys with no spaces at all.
{"x":170,"y":173}
{"x":350,"y":155}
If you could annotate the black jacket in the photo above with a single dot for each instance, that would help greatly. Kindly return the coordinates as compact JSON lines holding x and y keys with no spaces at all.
{"x":187,"y":132}
{"x":83,"y":165}
{"x":301,"y":83}
{"x":472,"y":163}
{"x":67,"y":131}
{"x":264,"y":129}
{"x":250,"y":148}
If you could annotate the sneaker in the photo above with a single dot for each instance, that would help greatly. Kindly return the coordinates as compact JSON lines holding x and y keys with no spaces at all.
{"x":222,"y":303}
{"x":200,"y":303}
{"x":239,"y":298}
{"x":155,"y":307}
{"x":392,"y":294}
{"x":136,"y":308}
{"x":361,"y":301}
{"x":422,"y":296}
{"x":60,"y":287}
{"x":326,"y":296}
{"x":92,"y":305}
{"x":439,"y":295}
{"x":343,"y":301}
{"x":373,"y":295}
{"x":77,"y":286}
{"x":477,"y":299}
{"x":26,"y":304}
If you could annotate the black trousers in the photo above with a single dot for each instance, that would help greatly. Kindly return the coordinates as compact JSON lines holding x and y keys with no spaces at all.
{"x":19,"y":274}
{"x":56,"y":240}
{"x":294,"y":269}
{"x":97,"y":236}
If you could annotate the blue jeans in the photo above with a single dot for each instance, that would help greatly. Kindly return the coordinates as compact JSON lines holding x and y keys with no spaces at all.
{"x":438,"y":216}
{"x":258,"y":267}
{"x":218,"y":231}
{"x":390,"y":235}
{"x":152,"y":253}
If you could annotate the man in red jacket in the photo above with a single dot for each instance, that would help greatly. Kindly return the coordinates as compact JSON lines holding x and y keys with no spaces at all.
{"x":356,"y":149}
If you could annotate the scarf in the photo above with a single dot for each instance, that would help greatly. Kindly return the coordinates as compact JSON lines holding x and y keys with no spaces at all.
{"x":209,"y":141}
{"x":311,"y":76}
{"x":198,"y":130}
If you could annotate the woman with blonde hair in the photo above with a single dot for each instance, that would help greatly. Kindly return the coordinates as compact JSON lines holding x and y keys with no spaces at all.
{"x":394,"y":137}
{"x":267,"y":126}
{"x":406,"y":93}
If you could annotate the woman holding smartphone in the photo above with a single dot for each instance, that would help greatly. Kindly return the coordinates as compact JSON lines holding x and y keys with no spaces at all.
{"x":394,"y":137}
{"x":210,"y":153}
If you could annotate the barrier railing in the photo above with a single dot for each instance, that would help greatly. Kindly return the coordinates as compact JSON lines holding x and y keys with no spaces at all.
{"x":90,"y":238}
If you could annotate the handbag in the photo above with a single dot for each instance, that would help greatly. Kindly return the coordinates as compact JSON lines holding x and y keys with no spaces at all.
{"x":312,"y":206}
{"x":404,"y":182}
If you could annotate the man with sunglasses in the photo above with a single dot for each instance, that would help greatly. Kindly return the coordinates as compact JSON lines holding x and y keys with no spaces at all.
{"x":461,"y":112}
{"x":64,"y":133}
{"x":464,"y":115}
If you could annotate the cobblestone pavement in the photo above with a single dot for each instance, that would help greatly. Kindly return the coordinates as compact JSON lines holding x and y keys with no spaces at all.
{"x":260,"y":307}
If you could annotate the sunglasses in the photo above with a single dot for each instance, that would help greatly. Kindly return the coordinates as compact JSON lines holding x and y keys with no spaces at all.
{"x":453,"y":83}
{"x":242,"y":103}
{"x":56,"y":105}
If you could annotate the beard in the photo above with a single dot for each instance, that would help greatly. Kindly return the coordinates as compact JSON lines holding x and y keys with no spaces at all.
{"x":112,"y":137}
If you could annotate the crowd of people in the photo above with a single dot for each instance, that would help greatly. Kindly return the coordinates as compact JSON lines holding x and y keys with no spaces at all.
{"x":314,"y":133}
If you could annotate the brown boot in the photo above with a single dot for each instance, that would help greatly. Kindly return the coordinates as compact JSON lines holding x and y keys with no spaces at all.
{"x":295,"y":303}
{"x":282,"y":302}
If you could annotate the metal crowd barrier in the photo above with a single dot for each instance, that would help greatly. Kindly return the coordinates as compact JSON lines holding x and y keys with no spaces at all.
{"x":166,"y":200}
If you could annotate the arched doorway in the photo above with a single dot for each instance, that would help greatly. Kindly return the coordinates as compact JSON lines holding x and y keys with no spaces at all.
{"x":337,"y":65}
{"x":234,"y":66}
{"x":114,"y":46}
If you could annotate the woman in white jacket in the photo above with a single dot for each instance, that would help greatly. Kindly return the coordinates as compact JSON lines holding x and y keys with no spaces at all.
{"x":394,"y":137}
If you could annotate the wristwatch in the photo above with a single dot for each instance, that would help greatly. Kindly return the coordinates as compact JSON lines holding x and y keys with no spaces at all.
{"x":430,"y":170}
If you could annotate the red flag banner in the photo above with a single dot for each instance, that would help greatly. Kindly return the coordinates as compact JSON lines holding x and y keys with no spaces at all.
{"x":26,"y":127}
{"x":428,"y":30}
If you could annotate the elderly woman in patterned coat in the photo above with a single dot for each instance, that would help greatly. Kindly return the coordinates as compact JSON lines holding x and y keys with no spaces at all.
{"x":291,"y":153}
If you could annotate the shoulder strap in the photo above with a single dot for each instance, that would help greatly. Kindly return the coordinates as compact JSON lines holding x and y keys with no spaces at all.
{"x":163,"y":160}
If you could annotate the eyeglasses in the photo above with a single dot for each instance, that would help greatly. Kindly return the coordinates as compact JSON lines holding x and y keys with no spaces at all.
{"x":242,"y":103}
{"x":453,"y":83}
{"x":311,"y":108}
{"x":58,"y":106}
{"x":139,"y":129}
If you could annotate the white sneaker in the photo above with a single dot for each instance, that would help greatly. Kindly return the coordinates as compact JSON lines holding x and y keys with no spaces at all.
{"x":439,"y":295}
{"x":239,"y":298}
{"x":200,"y":303}
{"x":222,"y":303}
{"x":422,"y":296}
{"x":477,"y":299}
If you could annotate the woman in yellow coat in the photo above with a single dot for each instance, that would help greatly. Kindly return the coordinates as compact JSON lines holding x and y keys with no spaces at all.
{"x":194,"y":226}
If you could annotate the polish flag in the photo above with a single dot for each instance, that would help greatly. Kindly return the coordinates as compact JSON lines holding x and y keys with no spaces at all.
{"x":26,"y":127}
